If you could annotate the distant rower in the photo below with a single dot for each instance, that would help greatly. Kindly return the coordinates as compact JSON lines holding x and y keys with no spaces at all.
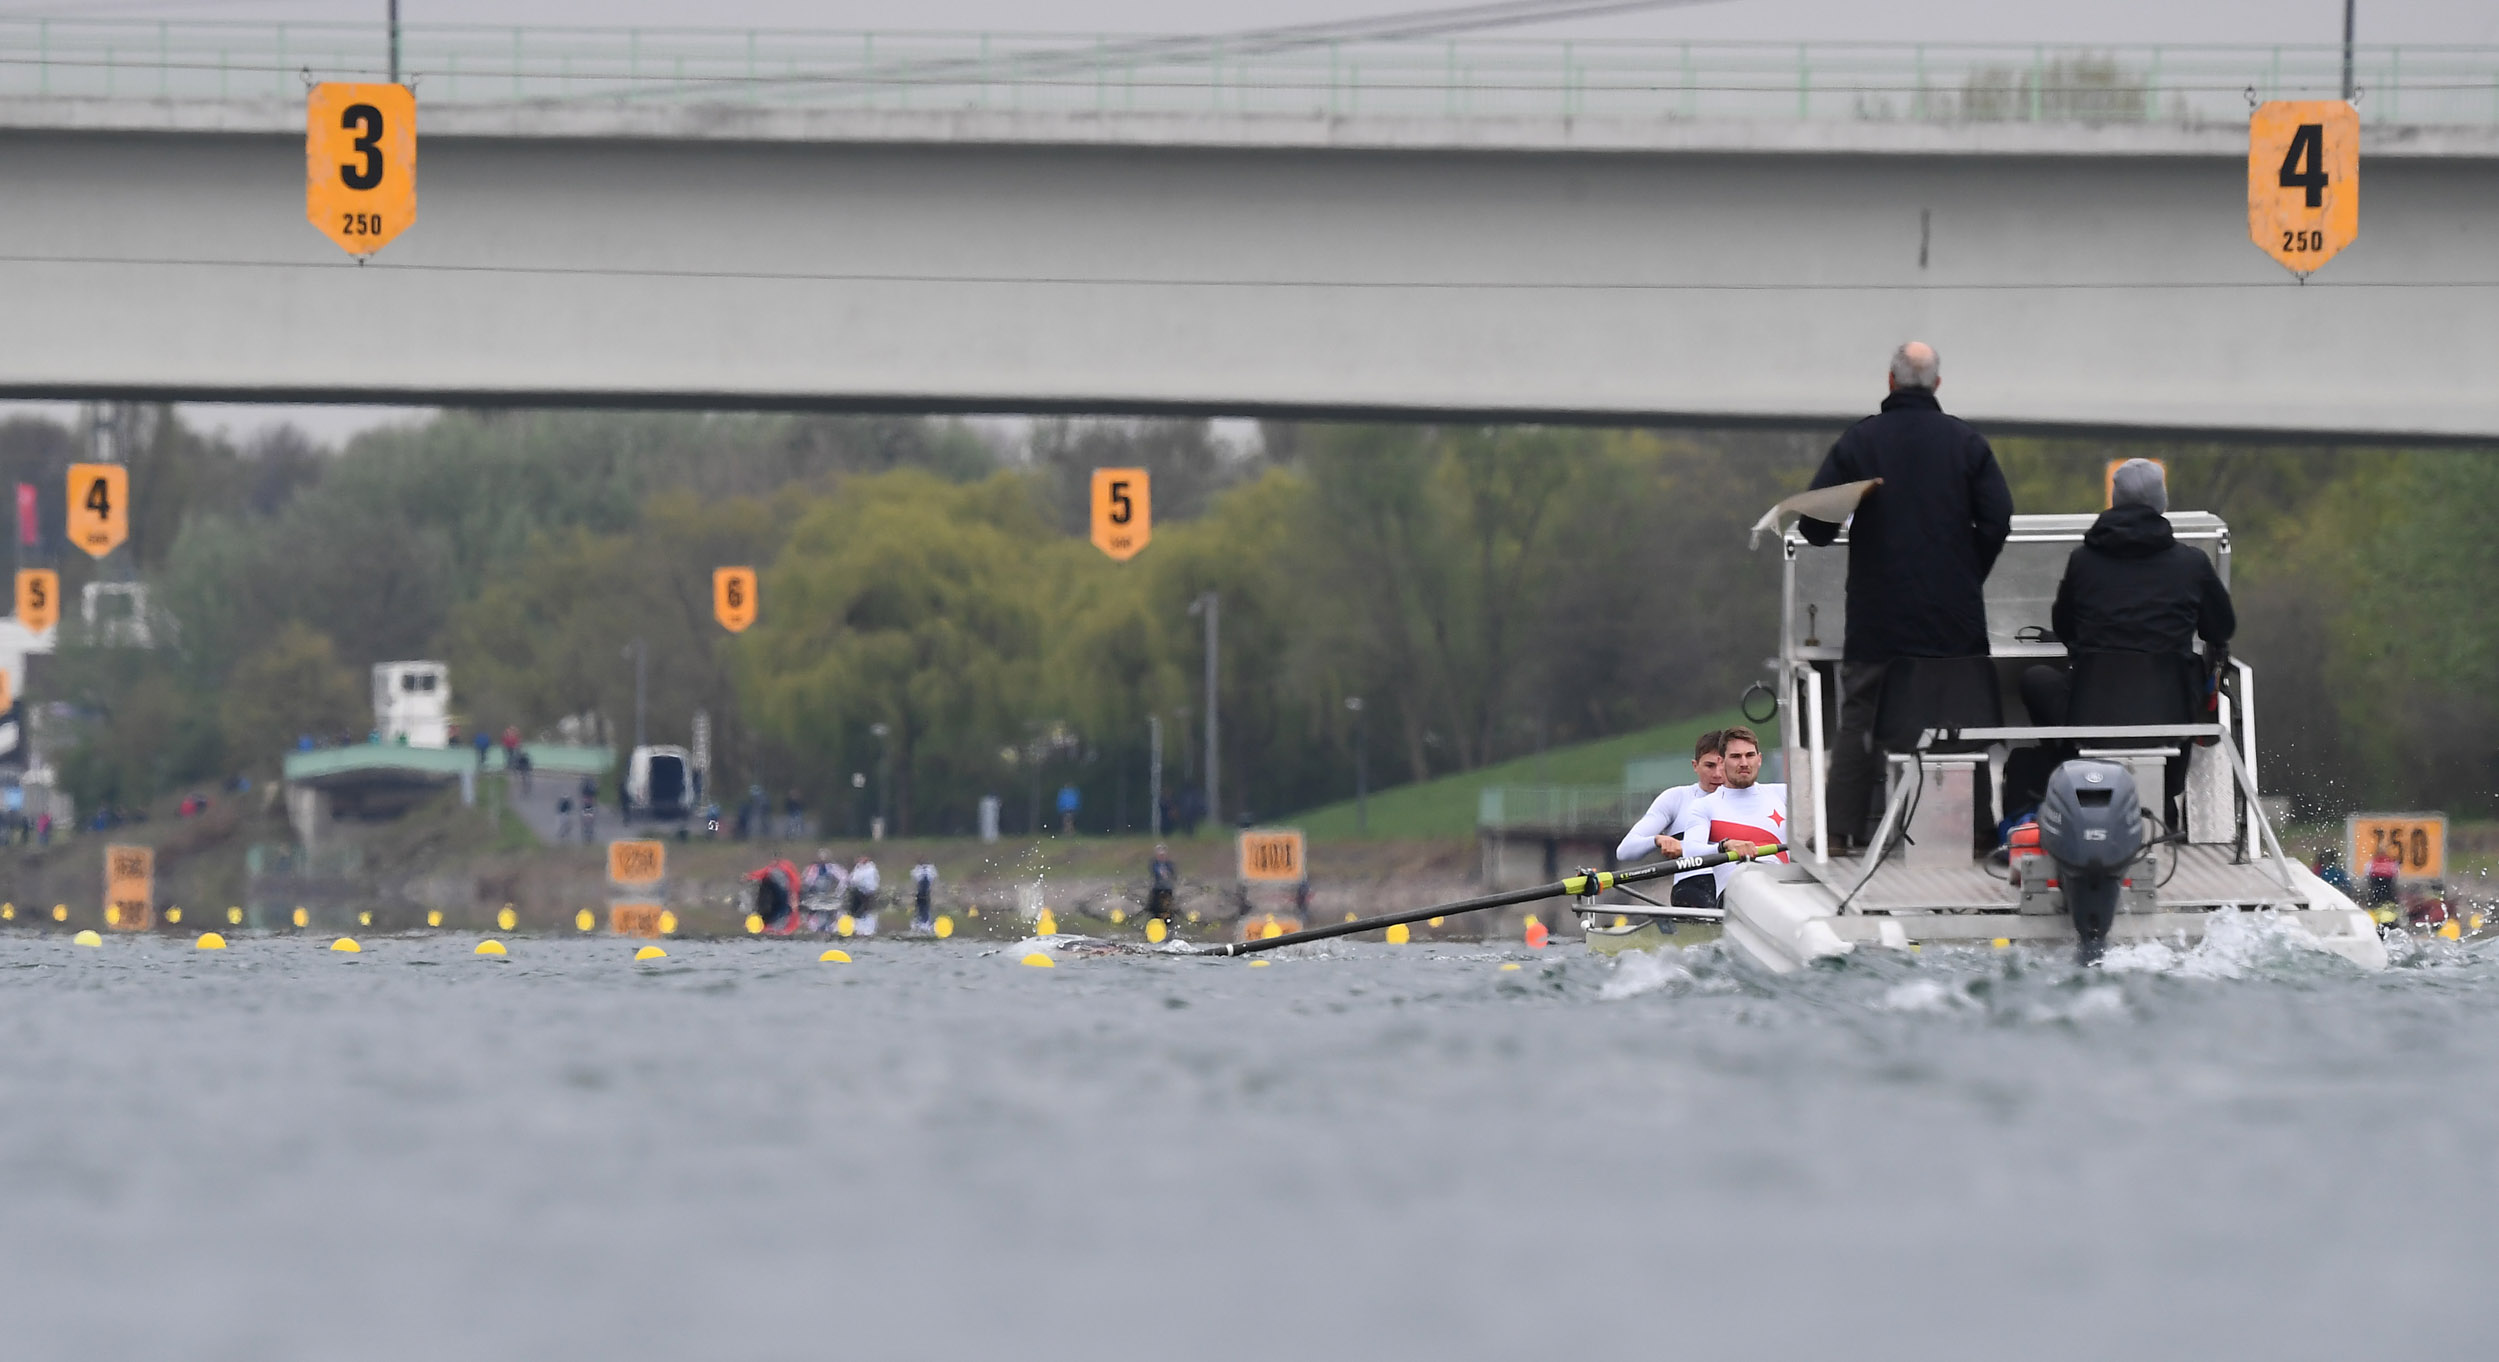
{"x":1674,"y":817}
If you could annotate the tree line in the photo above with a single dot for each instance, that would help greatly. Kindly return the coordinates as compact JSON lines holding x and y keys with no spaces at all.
{"x":935,"y":627}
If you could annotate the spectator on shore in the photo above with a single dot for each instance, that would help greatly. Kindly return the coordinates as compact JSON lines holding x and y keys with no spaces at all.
{"x":923,"y":896}
{"x":863,"y":887}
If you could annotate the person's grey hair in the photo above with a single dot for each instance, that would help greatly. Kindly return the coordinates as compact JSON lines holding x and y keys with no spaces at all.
{"x":2140,"y":482}
{"x":1916,"y":365}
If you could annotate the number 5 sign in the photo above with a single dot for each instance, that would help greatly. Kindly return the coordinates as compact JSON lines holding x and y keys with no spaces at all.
{"x":1123,"y":511}
{"x":2303,"y":180}
{"x":360,"y":163}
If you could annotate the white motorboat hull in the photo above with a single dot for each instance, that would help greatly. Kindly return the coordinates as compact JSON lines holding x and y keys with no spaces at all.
{"x":1784,"y":919}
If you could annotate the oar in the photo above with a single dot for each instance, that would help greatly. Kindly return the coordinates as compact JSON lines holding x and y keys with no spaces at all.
{"x":1586,"y":884}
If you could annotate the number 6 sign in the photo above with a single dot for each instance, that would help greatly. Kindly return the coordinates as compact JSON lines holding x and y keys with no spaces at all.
{"x":733,"y":597}
{"x":360,"y":164}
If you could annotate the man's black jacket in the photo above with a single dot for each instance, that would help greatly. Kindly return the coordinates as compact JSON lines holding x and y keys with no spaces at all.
{"x":1921,"y":546}
{"x":2133,"y":588}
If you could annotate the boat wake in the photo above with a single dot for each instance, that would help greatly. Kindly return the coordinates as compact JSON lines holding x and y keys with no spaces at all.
{"x":2235,"y":946}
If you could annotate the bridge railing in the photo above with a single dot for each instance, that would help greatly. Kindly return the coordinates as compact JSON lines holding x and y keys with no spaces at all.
{"x":1471,"y":78}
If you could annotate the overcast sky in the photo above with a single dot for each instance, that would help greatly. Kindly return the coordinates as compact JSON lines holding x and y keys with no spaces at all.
{"x":2095,"y":22}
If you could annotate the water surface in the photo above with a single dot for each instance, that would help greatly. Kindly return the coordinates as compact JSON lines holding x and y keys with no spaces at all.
{"x":275,"y":1152}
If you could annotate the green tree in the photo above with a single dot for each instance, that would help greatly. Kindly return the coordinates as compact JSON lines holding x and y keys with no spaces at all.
{"x":291,"y":686}
{"x":910,"y":602}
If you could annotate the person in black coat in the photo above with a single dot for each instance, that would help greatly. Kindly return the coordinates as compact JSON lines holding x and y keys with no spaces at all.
{"x":1919,"y":551}
{"x":2133,"y":588}
{"x":2133,"y":602}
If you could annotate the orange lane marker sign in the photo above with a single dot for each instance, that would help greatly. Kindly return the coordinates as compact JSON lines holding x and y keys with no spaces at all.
{"x":38,"y":599}
{"x":2303,"y":180}
{"x":1123,"y":511}
{"x":99,"y":506}
{"x":1271,"y":856}
{"x":360,"y":163}
{"x":733,"y":597}
{"x":129,"y":888}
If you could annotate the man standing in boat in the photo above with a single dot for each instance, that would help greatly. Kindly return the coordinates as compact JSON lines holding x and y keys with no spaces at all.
{"x":1674,"y":816}
{"x":1744,"y":815}
{"x":1919,"y":551}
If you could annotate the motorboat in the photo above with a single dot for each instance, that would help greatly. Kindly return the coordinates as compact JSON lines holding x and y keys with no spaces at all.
{"x":1933,"y":873}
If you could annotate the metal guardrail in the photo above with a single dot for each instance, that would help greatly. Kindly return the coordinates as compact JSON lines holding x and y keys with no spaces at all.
{"x":1558,"y":809}
{"x":1473,"y":78}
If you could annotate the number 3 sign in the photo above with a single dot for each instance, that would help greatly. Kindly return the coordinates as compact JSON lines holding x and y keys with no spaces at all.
{"x":360,"y":164}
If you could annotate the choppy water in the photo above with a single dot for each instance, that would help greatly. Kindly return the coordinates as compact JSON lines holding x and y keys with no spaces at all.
{"x":279,"y":1153}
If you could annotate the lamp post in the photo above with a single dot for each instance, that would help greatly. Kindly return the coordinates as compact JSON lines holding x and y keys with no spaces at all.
{"x":1362,"y":775}
{"x":1154,"y":774}
{"x":2348,"y":7}
{"x":884,"y":775}
{"x":1208,"y":605}
{"x":640,"y":652}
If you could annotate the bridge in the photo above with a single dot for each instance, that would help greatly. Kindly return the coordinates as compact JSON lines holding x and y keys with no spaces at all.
{"x":1625,"y":232}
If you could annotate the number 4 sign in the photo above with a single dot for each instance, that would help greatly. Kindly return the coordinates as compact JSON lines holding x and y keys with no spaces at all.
{"x":99,"y":506}
{"x":2303,"y":180}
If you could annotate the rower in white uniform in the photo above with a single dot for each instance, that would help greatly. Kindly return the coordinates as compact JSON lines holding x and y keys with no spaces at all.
{"x":1744,"y":814}
{"x":1673,"y":817}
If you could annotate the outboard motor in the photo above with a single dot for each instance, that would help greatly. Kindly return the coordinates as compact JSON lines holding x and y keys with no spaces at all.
{"x":2091,"y":825}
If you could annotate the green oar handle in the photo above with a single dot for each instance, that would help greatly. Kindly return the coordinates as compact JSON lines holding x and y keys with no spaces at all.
{"x":1587,"y":884}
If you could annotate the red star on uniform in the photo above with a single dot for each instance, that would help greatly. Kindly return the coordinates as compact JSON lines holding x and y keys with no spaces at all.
{"x":1775,"y":819}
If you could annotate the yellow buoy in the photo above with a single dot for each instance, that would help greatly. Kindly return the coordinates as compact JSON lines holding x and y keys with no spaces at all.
{"x":944,"y":928}
{"x":1046,"y":925}
{"x":585,"y":920}
{"x":346,"y":945}
{"x":210,"y":941}
{"x":234,"y":917}
{"x":173,"y":916}
{"x":1155,"y":931}
{"x":1039,"y":961}
{"x":1193,"y":915}
{"x":433,"y":917}
{"x":1512,"y":965}
{"x":1621,"y":922}
{"x":489,"y":946}
{"x":1349,"y":917}
{"x":834,"y":958}
{"x":667,"y":923}
{"x":972,"y":911}
{"x":1118,"y":916}
{"x":754,"y":924}
{"x":364,"y":919}
{"x":2001,"y":942}
{"x":1398,"y":935}
{"x":845,"y":925}
{"x":1272,"y":930}
{"x":506,"y":920}
{"x":112,"y":915}
{"x":302,"y":918}
{"x":86,"y":937}
{"x":2451,"y":929}
{"x":60,"y":912}
{"x":8,"y":912}
{"x":1436,"y":922}
{"x":1260,"y":964}
{"x":650,"y":953}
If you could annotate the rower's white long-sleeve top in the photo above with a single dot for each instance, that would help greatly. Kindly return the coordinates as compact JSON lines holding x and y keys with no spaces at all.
{"x":1673,"y":813}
